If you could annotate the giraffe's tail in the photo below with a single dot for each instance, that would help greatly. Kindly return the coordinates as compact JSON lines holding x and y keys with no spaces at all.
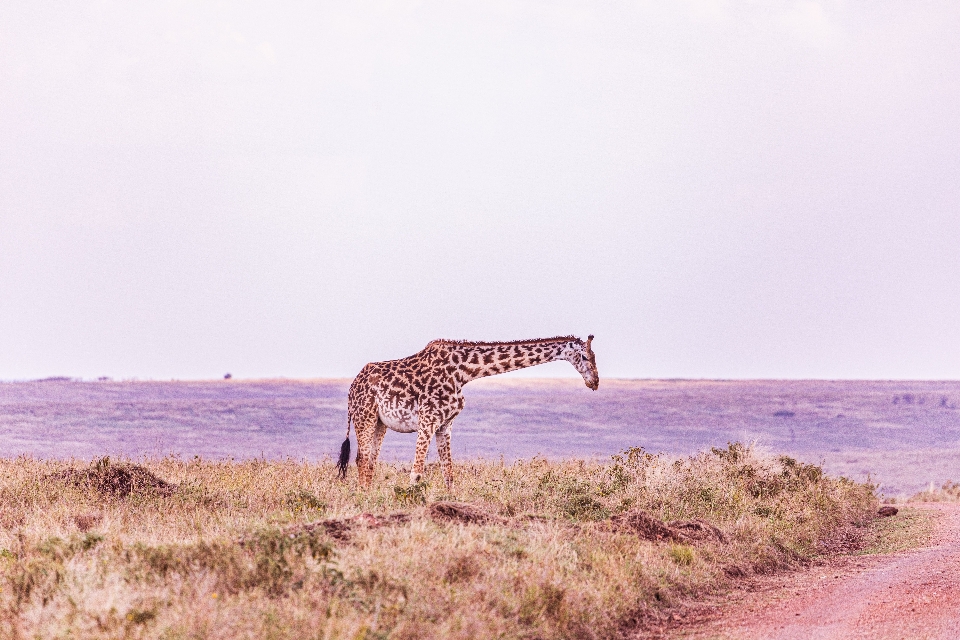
{"x":344,"y":455}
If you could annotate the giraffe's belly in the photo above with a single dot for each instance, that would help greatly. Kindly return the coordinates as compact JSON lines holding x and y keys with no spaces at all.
{"x":400,"y":418}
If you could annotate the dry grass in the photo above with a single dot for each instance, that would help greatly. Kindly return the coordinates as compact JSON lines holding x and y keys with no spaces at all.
{"x":276,"y":549}
{"x":948,"y":492}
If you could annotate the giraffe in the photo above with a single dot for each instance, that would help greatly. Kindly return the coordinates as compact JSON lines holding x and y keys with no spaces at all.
{"x":422,"y":393}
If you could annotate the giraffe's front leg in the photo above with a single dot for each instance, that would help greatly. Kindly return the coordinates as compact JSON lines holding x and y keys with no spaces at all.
{"x":443,"y":452}
{"x":420,"y":458}
{"x":429,"y":424}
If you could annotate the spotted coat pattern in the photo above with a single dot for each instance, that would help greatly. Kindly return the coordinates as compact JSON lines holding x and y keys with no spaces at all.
{"x":422,"y":392}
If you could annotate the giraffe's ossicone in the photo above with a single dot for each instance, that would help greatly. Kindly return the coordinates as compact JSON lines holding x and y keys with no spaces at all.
{"x":422,"y":393}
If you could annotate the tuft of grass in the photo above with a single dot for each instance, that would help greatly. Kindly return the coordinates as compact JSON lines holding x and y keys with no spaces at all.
{"x":413,"y":495}
{"x":304,"y":501}
{"x":681,"y":554}
{"x":273,"y":549}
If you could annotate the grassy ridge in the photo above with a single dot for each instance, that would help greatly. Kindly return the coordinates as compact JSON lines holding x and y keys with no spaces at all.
{"x":228,"y":552}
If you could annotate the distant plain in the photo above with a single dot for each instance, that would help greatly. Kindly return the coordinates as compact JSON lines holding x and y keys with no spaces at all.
{"x":902,"y":434}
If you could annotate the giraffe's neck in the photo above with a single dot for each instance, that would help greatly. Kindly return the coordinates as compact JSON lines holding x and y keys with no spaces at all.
{"x":478,"y":360}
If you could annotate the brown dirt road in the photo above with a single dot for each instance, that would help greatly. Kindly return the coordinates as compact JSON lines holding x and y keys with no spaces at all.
{"x":913,"y":595}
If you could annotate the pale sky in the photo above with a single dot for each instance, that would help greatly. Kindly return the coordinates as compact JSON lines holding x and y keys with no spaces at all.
{"x":714,"y":189}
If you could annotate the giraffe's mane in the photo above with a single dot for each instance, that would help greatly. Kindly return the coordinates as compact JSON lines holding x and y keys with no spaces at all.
{"x":506,"y":343}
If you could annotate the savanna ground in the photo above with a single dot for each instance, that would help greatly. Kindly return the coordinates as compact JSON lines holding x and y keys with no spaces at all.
{"x":901,"y":435}
{"x":192,"y":548}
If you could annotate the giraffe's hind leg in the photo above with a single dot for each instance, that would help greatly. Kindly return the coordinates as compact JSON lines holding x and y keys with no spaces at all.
{"x":366,"y":430}
{"x":379,"y":430}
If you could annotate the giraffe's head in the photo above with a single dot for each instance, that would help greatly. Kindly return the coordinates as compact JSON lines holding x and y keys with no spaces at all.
{"x":582,"y":358}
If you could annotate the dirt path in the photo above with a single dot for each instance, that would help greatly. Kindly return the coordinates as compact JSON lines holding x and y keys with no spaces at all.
{"x":911,"y":595}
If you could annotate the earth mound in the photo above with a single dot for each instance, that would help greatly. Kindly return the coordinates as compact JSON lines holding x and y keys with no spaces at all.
{"x":699,"y":530}
{"x":114,"y":480}
{"x":446,"y":511}
{"x":341,"y":528}
{"x":647,"y":527}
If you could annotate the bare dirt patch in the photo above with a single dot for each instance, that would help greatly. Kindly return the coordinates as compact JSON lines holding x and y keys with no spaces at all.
{"x":905,"y":595}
